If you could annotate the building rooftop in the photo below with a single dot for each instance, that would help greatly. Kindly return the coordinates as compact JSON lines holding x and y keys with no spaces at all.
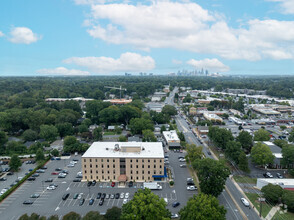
{"x":125,"y":150}
{"x":171,"y":136}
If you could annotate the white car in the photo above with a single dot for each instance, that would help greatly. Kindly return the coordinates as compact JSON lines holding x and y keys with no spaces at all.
{"x":191,"y":188}
{"x":182,"y":160}
{"x":122,"y":195}
{"x":80,"y":195}
{"x":70,"y":165}
{"x":125,"y":201}
{"x":245,"y":202}
{"x":190,"y":179}
{"x":174,"y":215}
{"x":73,"y":162}
{"x":127,"y":195}
{"x":51,"y":187}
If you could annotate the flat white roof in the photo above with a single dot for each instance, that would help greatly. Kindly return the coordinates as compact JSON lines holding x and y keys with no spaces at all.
{"x":107,"y":150}
{"x":285,"y":181}
{"x":171,"y":136}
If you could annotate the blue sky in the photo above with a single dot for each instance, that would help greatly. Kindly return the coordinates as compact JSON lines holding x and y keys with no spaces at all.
{"x":94,"y":37}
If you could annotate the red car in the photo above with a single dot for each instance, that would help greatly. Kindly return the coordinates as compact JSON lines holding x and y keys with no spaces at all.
{"x":54,"y":173}
{"x":112,"y":184}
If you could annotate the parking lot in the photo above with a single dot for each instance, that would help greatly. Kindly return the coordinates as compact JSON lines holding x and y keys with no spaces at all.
{"x":50,"y":202}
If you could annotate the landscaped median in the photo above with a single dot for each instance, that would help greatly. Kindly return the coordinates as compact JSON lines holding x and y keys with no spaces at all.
{"x":8,"y":192}
{"x":244,"y":179}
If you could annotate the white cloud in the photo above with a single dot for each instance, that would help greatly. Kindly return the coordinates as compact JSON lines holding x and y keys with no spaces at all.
{"x":23,"y":35}
{"x":1,"y":34}
{"x":210,"y":64}
{"x":63,"y":71}
{"x":127,"y":62}
{"x":189,"y":27}
{"x":286,"y":5}
{"x":177,"y":62}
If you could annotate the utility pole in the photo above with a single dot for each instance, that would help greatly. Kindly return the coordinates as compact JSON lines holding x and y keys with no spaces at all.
{"x":261,"y":200}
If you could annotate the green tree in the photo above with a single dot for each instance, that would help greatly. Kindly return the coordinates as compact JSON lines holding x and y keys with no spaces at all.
{"x":48,"y":132}
{"x":220,"y":136}
{"x":128,"y":112}
{"x":272,"y":193}
{"x":281,"y":143}
{"x":137,"y":125}
{"x":162,"y":129}
{"x":71,"y":216}
{"x":261,"y":154}
{"x":97,"y":134}
{"x":288,"y":155}
{"x":212,"y":175}
{"x":14,"y":147}
{"x":288,"y":199}
{"x":93,"y":108}
{"x":55,"y":152}
{"x":283,"y":127}
{"x":203,"y":207}
{"x":93,"y":215}
{"x":24,"y":217}
{"x":3,"y":139}
{"x":15,"y":163}
{"x":233,"y":150}
{"x":65,"y":129}
{"x":40,"y":156}
{"x":181,"y":136}
{"x":53,"y":217}
{"x":73,"y":105}
{"x":70,"y":140}
{"x":30,"y":135}
{"x":169,"y":110}
{"x":245,"y":140}
{"x":122,"y":138}
{"x":193,"y":152}
{"x":243,"y":162}
{"x":261,"y":135}
{"x":148,"y":136}
{"x":145,"y":205}
{"x":110,"y":115}
{"x":83,"y":128}
{"x":113,"y":213}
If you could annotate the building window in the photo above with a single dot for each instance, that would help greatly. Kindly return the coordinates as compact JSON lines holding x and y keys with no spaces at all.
{"x":137,"y":161}
{"x":148,"y":172}
{"x":148,"y":161}
{"x":102,"y":161}
{"x":84,"y":160}
{"x":142,"y":177}
{"x":107,"y":166}
{"x":148,"y":166}
{"x":96,"y":177}
{"x":90,"y":165}
{"x":160,"y":161}
{"x":113,"y":171}
{"x":102,"y":166}
{"x":85,"y":171}
{"x":160,"y":166}
{"x":131,"y":166}
{"x":108,"y":177}
{"x":137,"y":178}
{"x":154,"y":161}
{"x":148,"y":177}
{"x":96,"y":166}
{"x":102,"y":176}
{"x":96,"y":171}
{"x":90,"y":171}
{"x":113,"y":160}
{"x":160,"y":172}
{"x":91,"y":177}
{"x":131,"y":160}
{"x":142,"y":171}
{"x":142,"y":160}
{"x":154,"y":172}
{"x":113,"y":177}
{"x":137,"y":172}
{"x":113,"y":165}
{"x":137,"y":166}
{"x":142,"y":166}
{"x":102,"y":171}
{"x":131,"y":172}
{"x":131,"y":177}
{"x":108,"y":171}
{"x":95,"y":160}
{"x":85,"y":166}
{"x":90,"y":160}
{"x":154,"y":166}
{"x":107,"y":160}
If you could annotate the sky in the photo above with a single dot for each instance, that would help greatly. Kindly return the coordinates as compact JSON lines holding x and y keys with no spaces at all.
{"x":110,"y":37}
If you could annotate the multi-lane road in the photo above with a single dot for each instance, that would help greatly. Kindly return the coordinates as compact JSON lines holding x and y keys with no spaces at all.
{"x":230,"y":197}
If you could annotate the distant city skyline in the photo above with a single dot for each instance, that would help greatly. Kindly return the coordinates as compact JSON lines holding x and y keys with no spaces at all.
{"x":111,"y":37}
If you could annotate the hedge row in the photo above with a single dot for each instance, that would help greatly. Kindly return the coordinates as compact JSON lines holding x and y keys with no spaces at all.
{"x":8,"y":192}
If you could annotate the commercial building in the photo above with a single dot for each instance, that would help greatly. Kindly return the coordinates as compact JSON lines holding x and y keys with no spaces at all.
{"x":118,"y":101}
{"x":192,"y":111}
{"x":155,"y":106}
{"x":212,"y":117}
{"x":124,"y":161}
{"x":287,"y":184}
{"x":171,"y":139}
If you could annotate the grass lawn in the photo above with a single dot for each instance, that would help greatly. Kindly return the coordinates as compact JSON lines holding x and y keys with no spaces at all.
{"x":285,"y":216}
{"x":245,"y":179}
{"x":254,"y":199}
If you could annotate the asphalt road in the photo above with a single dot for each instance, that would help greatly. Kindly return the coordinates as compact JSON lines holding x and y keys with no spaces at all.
{"x":224,"y":198}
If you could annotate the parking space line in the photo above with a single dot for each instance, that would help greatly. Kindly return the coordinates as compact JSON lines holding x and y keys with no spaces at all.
{"x":70,"y":200}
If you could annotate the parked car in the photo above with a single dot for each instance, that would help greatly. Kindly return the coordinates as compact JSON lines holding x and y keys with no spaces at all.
{"x":51,"y":187}
{"x":89,"y":183}
{"x":175,"y":204}
{"x":40,"y":171}
{"x":122,"y":195}
{"x":75,"y":196}
{"x":279,"y":176}
{"x":182,"y":160}
{"x":131,"y":184}
{"x":31,"y":179}
{"x":35,"y":175}
{"x":112,"y":184}
{"x":77,"y":180}
{"x":174,"y":215}
{"x":245,"y":202}
{"x":183,"y":165}
{"x":112,"y":196}
{"x":49,"y":180}
{"x":91,"y":201}
{"x":127,"y":195}
{"x":10,"y":173}
{"x":101,"y":202}
{"x":125,"y":201}
{"x":107,"y":196}
{"x":94,"y":183}
{"x":99,"y":195}
{"x":117,"y":195}
{"x":54,"y":173}
{"x":208,"y":152}
{"x":65,"y":196}
{"x":80,"y":196}
{"x":53,"y":184}
{"x":103,"y":195}
{"x":81,"y":202}
{"x":268,"y":175}
{"x":3,"y":179}
{"x":58,"y":169}
{"x":28,"y":202}
{"x":35,"y":195}
{"x":191,"y":188}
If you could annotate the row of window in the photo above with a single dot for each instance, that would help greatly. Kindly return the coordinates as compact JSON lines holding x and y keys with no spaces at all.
{"x":137,"y":172}
{"x":122,"y":166}
{"x":108,"y":177}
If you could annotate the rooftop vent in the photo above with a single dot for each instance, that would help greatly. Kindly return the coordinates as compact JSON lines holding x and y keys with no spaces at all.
{"x":107,"y":148}
{"x":116,"y":147}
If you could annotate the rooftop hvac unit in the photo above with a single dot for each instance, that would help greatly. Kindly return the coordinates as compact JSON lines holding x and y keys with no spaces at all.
{"x":116,"y":147}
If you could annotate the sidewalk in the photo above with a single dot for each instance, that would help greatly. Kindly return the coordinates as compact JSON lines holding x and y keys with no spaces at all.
{"x":272,"y":212}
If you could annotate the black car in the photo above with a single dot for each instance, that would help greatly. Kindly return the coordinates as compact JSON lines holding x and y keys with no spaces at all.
{"x":35,"y":175}
{"x":28,"y":202}
{"x":58,"y":169}
{"x":190,"y":183}
{"x":82,"y":202}
{"x":10,"y":173}
{"x":175,"y":204}
{"x":94,"y":183}
{"x":89,"y":183}
{"x":31,"y":179}
{"x":49,"y":180}
{"x":103,"y":196}
{"x":3,"y":179}
{"x":91,"y":201}
{"x":131,"y":184}
{"x":75,"y":159}
{"x":77,"y":180}
{"x":65,"y":196}
{"x":98,"y":195}
{"x":208,"y":152}
{"x":44,"y":167}
{"x":101,"y":202}
{"x":117,"y":195}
